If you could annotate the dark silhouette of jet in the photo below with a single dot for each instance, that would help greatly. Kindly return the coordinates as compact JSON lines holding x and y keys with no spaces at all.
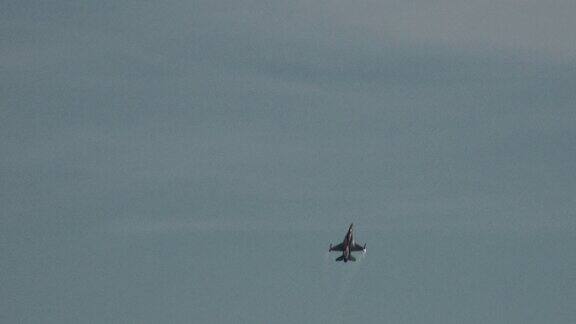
{"x":347,"y":247}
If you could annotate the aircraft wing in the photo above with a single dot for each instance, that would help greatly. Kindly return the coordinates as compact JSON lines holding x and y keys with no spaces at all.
{"x":339,"y":247}
{"x":357,"y":247}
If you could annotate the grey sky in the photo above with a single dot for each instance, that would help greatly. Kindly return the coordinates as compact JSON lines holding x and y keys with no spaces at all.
{"x":190,"y":161}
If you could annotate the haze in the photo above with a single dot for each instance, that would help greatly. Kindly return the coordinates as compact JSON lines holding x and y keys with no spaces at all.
{"x":191,"y":161}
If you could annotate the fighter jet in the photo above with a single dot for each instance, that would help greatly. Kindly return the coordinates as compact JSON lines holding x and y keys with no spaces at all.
{"x":347,"y":247}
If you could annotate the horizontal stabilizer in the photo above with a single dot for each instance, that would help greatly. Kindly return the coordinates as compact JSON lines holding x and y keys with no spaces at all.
{"x":351,"y":258}
{"x":340,"y":258}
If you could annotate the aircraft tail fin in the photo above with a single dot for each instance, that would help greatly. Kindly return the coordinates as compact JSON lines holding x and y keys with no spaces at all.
{"x":350,"y":258}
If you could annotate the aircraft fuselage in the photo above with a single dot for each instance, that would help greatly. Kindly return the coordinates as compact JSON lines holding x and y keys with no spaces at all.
{"x":348,"y":246}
